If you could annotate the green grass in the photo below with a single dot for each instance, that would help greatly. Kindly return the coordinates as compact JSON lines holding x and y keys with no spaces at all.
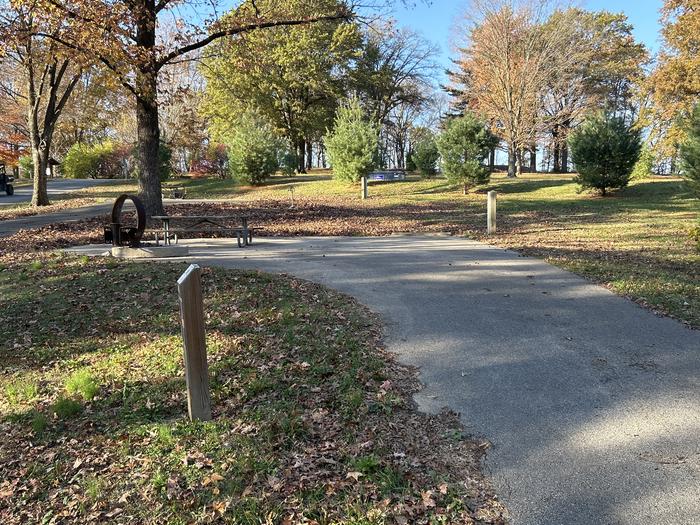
{"x":84,"y":383}
{"x":295,"y":373}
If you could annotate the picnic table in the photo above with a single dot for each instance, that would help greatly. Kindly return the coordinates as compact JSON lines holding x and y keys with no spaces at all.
{"x":203,"y":224}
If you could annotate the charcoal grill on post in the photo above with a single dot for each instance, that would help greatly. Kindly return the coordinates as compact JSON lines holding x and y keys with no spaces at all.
{"x":119,"y":235}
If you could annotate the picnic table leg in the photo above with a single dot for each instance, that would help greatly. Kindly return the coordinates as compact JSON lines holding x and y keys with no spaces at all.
{"x":241,"y":243}
{"x":166,"y":234}
{"x":245,"y":231}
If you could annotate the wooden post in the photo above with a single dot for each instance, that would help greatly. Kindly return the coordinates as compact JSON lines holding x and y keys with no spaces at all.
{"x":491,"y":213}
{"x":189,"y":288}
{"x":363,"y":181}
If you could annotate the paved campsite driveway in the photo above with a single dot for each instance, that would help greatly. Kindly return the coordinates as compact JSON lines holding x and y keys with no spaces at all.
{"x":592,"y":403}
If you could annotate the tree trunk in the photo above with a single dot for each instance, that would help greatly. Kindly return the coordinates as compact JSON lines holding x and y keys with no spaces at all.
{"x":492,"y":159}
{"x":519,"y":163}
{"x":556,"y":168}
{"x":40,"y":159}
{"x":148,"y":133}
{"x":564,"y":158}
{"x":465,"y":189}
{"x":309,"y":155}
{"x":533,"y":159}
{"x":301,"y":155}
{"x":148,"y":128}
{"x":511,"y":161}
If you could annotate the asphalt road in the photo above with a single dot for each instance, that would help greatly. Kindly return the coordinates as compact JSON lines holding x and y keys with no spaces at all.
{"x":592,"y":403}
{"x":54,"y":187}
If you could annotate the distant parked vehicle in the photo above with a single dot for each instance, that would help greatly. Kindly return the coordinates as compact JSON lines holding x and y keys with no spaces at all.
{"x":5,"y":181}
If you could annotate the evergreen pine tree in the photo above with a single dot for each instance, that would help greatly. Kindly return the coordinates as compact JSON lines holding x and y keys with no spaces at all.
{"x":690,"y":153}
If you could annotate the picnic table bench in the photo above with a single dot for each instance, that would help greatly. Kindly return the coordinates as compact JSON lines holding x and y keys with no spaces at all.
{"x":203,"y":224}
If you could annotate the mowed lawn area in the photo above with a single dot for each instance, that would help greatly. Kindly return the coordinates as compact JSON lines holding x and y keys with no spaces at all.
{"x":313,"y":420}
{"x":634,"y":241}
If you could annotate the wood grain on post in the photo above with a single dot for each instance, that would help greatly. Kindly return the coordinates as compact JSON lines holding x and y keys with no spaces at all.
{"x":189,"y":288}
{"x":491,"y":213}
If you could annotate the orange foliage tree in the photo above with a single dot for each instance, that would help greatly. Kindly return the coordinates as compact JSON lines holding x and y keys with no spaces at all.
{"x":128,"y":38}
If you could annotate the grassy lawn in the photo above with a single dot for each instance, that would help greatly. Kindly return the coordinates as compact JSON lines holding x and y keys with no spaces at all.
{"x":313,"y":421}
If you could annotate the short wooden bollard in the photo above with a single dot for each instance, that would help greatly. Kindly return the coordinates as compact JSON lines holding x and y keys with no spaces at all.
{"x":189,"y":288}
{"x":363,"y":181}
{"x":491,"y":213}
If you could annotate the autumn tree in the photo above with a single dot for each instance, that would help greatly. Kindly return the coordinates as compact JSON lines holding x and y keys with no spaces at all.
{"x":505,"y":68}
{"x":673,"y":87}
{"x":393,"y":76}
{"x":50,"y":73}
{"x":14,"y":138}
{"x":598,"y":67}
{"x":92,"y":112}
{"x":126,"y":36}
{"x":394,"y":69}
{"x":291,"y":75}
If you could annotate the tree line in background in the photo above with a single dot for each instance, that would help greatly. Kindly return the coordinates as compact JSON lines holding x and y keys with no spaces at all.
{"x":144,"y":88}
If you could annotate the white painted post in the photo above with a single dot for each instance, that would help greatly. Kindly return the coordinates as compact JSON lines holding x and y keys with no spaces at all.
{"x":189,"y":288}
{"x":363,"y":181}
{"x":491,"y":213}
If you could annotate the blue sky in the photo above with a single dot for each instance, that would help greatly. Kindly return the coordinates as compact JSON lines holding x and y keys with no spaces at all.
{"x":436,"y":20}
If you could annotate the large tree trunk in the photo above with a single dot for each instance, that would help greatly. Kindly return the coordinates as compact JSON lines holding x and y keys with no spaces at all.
{"x":492,"y":159}
{"x":556,"y":160}
{"x":148,"y":132}
{"x":564,"y":157}
{"x":148,"y":128}
{"x":519,"y":163}
{"x":40,"y":159}
{"x":533,"y":159}
{"x":301,"y":155}
{"x":512,"y":154}
{"x":309,"y":155}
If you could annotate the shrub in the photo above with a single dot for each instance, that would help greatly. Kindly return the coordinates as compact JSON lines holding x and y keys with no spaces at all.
{"x":352,"y":145}
{"x":20,"y":391}
{"x":82,"y":161}
{"x":96,"y":161}
{"x":84,"y":383}
{"x":694,"y":235}
{"x":65,"y":408}
{"x":690,"y":153}
{"x":644,"y":167}
{"x":463,"y":147}
{"x":165,"y":156}
{"x":604,"y":151}
{"x":252,"y":148}
{"x":38,"y":422}
{"x":425,"y":156}
{"x":410,"y":164}
{"x":288,"y":162}
{"x":26,"y":166}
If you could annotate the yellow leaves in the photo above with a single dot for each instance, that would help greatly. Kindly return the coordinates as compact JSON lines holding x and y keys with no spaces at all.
{"x":212,"y":479}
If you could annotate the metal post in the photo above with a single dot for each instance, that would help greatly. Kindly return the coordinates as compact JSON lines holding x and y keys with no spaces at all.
{"x":189,"y":288}
{"x":491,"y":213}
{"x":363,"y":181}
